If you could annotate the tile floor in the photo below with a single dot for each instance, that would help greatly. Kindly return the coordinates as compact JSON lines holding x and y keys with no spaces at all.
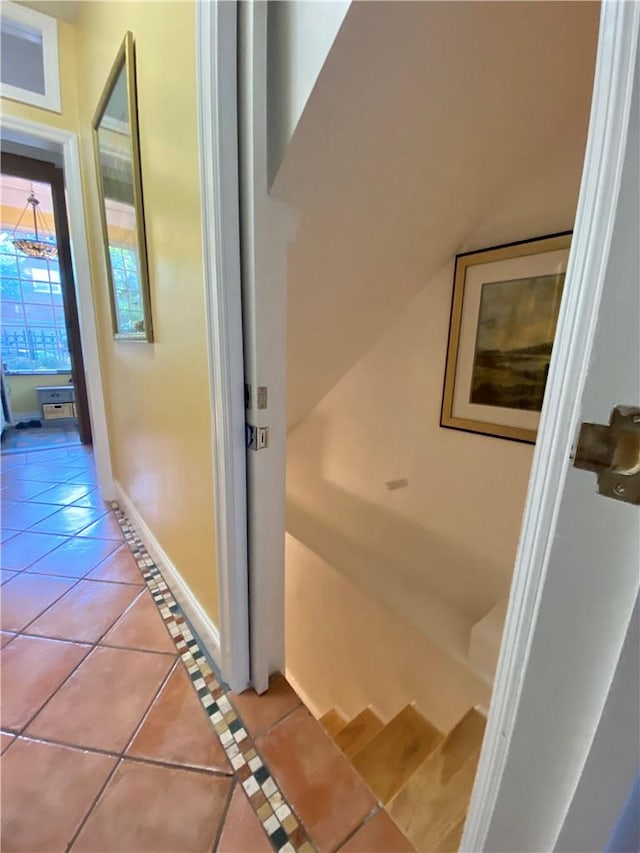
{"x":109,"y":738}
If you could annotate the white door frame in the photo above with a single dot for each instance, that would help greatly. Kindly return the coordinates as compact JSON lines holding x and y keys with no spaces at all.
{"x":216,"y":42}
{"x":561,"y":416}
{"x":42,"y":136}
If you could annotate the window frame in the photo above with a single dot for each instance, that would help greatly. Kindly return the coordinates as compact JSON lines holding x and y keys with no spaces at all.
{"x":48,"y":28}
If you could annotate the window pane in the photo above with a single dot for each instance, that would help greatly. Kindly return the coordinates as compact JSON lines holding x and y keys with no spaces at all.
{"x":12,"y":313}
{"x":22,"y":56}
{"x":41,"y":315}
{"x":10,"y":290}
{"x":8,"y":265}
{"x":34,"y":336}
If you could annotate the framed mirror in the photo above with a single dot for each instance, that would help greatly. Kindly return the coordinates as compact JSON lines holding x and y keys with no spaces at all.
{"x":117,"y":154}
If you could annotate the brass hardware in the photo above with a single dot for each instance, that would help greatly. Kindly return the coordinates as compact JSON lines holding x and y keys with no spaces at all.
{"x":613,"y":453}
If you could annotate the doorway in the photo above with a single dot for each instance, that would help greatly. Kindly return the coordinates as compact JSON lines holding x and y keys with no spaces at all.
{"x":44,"y":393}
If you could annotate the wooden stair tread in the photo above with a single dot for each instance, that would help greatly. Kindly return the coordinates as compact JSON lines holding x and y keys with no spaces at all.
{"x":391,"y":757}
{"x":357,"y":734}
{"x":332,"y":722}
{"x":432,"y":805}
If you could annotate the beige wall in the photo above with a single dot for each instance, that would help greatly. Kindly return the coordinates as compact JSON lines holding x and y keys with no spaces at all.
{"x":22,"y":388}
{"x":158,"y":394}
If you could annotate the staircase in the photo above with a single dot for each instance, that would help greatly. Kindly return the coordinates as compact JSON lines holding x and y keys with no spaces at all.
{"x":423,"y":778}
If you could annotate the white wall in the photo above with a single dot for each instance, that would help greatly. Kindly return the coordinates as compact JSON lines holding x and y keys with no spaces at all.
{"x":439,"y":552}
{"x":429,"y":122}
{"x":300,"y":36}
{"x":345,"y":650}
{"x":447,"y":151}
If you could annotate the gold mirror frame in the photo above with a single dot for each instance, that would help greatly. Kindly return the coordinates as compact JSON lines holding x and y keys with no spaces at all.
{"x":125,"y":63}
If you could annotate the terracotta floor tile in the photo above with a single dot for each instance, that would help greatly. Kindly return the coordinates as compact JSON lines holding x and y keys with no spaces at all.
{"x":5,"y":534}
{"x":83,"y":477}
{"x":6,"y":637}
{"x":182,"y":811}
{"x":46,"y":792}
{"x":32,"y":669}
{"x":69,"y":520}
{"x":86,"y":613}
{"x":22,"y":516}
{"x":64,"y":494}
{"x":242,"y":831}
{"x":259,"y":713}
{"x":378,"y":835}
{"x":6,"y":575}
{"x":10,"y":460}
{"x":323,"y":787}
{"x":5,"y":740}
{"x":22,"y":490}
{"x":75,"y":558}
{"x":119,"y":567}
{"x":25,"y":548}
{"x":48,"y":472}
{"x":101,"y":704}
{"x":106,"y":528}
{"x":91,"y":499}
{"x":48,"y":456}
{"x":177,"y":730}
{"x":141,"y":627}
{"x":26,"y":596}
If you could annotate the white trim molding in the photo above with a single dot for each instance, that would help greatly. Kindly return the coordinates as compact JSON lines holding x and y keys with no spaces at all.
{"x":216,"y":35}
{"x":613,"y":87}
{"x":192,"y":608}
{"x":27,"y":22}
{"x":43,"y":136}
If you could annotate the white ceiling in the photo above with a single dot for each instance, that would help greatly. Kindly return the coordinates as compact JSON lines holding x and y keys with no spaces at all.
{"x":63,"y":10}
{"x":432,"y":126}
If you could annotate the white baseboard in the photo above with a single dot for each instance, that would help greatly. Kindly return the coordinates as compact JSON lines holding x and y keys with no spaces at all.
{"x":206,"y":629}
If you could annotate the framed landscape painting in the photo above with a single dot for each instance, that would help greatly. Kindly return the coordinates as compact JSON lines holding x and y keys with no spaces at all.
{"x":503,"y":322}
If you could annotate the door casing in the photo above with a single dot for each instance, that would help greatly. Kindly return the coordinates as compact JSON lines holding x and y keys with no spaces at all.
{"x":38,"y":170}
{"x":43,"y":137}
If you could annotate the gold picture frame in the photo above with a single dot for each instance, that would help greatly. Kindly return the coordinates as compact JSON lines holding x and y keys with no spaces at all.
{"x":504,"y":312}
{"x":117,"y":156}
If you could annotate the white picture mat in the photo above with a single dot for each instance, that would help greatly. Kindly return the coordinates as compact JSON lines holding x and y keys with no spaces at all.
{"x":525,"y":266}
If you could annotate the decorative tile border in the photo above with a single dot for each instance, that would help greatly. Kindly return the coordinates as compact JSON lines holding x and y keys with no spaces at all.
{"x":284,"y":828}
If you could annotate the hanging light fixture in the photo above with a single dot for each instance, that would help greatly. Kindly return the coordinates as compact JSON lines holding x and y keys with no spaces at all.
{"x":44,"y":244}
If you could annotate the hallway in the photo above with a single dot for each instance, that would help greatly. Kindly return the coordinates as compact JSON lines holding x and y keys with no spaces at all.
{"x":116,"y":734}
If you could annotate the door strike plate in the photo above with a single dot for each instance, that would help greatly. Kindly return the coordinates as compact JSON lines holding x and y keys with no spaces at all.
{"x":257,"y":437}
{"x":612,"y":452}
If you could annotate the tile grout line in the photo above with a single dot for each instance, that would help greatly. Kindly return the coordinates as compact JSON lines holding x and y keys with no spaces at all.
{"x":92,"y":645}
{"x":138,"y":759}
{"x":117,"y":764}
{"x":277,"y":816}
{"x":224,"y":816}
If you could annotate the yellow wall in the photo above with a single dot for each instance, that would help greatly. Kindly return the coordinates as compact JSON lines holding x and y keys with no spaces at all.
{"x":158,"y":394}
{"x":24,"y":400}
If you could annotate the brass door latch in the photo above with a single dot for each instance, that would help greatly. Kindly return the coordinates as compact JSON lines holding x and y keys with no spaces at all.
{"x":613,"y":453}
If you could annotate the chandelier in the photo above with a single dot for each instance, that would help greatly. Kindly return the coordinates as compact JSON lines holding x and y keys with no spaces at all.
{"x":44,"y":245}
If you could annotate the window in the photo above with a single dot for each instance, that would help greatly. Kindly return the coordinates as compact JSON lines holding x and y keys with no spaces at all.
{"x":29,"y":57}
{"x":124,"y":265}
{"x":34,"y":334}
